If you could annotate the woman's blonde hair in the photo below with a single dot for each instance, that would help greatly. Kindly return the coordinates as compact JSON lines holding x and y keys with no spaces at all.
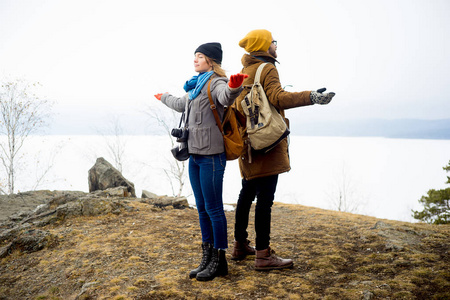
{"x":216,"y":67}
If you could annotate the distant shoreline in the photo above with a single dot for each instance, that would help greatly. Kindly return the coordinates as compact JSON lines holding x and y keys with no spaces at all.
{"x":396,"y":128}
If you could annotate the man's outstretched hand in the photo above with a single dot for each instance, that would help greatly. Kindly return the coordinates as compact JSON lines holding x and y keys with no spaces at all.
{"x":319,"y":97}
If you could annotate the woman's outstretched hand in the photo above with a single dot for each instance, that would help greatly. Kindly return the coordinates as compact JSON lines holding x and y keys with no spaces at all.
{"x":158,"y":96}
{"x":236,"y":80}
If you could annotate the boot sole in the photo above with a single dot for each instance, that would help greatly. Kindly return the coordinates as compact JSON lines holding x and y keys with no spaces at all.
{"x":238,"y":257}
{"x":210,"y":278}
{"x":193,"y":275}
{"x":274,"y":268}
{"x":242,"y":257}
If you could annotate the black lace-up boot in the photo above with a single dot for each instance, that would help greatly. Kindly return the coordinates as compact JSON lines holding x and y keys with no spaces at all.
{"x":207,"y":250}
{"x":217,"y":266}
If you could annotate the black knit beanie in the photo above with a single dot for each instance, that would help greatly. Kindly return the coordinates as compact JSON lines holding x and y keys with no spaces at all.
{"x":212,"y":50}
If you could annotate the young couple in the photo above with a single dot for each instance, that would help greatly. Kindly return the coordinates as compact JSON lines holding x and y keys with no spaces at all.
{"x":207,"y":159}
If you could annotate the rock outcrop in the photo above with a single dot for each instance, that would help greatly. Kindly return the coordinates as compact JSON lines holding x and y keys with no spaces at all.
{"x":29,"y":241}
{"x":164,"y":201}
{"x":103,"y":176}
{"x":19,"y":231}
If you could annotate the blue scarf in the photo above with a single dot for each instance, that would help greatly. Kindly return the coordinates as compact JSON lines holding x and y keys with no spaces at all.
{"x":194,"y":85}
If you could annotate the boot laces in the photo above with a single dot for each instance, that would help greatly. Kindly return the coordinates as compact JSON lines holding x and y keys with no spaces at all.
{"x":272,"y":254}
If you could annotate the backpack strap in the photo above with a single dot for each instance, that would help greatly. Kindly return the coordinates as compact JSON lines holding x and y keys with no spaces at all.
{"x":253,"y":115}
{"x":213,"y":108}
{"x":258,"y":72}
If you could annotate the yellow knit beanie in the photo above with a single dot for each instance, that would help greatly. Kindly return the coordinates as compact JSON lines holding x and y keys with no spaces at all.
{"x":256,"y":40}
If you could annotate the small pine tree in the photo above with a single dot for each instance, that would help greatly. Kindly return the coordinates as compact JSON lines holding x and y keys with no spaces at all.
{"x":436,"y":205}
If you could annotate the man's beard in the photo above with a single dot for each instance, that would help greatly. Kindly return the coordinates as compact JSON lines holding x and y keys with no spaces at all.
{"x":273,"y":52}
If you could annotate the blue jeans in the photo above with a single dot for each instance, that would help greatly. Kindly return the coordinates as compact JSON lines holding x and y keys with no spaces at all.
{"x":206,"y":176}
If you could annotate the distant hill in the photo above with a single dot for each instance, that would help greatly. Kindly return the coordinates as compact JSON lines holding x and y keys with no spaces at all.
{"x":398,"y":128}
{"x":140,"y":124}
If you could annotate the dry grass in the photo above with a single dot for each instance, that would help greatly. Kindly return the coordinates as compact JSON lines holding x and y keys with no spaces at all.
{"x":147,"y":254}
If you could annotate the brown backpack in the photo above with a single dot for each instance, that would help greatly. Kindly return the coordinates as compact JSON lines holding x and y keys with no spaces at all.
{"x":229,"y":127}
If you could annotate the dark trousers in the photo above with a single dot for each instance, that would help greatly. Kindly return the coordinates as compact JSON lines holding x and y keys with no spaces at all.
{"x":264,"y":190}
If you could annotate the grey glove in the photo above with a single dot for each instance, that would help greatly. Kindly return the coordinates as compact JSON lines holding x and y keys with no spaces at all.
{"x":318,"y":97}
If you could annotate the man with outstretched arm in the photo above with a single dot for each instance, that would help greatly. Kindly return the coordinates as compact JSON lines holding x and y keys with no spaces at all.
{"x":259,"y":170}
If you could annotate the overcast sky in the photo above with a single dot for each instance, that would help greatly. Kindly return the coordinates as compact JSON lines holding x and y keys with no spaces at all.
{"x":384,"y":59}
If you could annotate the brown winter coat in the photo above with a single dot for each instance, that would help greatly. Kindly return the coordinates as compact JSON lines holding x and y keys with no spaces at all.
{"x":275,"y":161}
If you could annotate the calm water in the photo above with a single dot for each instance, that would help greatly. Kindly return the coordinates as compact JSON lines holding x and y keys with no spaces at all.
{"x":380,"y":177}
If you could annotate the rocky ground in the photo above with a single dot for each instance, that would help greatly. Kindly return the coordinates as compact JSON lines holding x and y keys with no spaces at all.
{"x":23,"y":202}
{"x":103,"y":246}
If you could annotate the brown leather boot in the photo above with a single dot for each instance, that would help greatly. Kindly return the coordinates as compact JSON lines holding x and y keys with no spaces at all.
{"x":267,"y":260}
{"x":241,"y":250}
